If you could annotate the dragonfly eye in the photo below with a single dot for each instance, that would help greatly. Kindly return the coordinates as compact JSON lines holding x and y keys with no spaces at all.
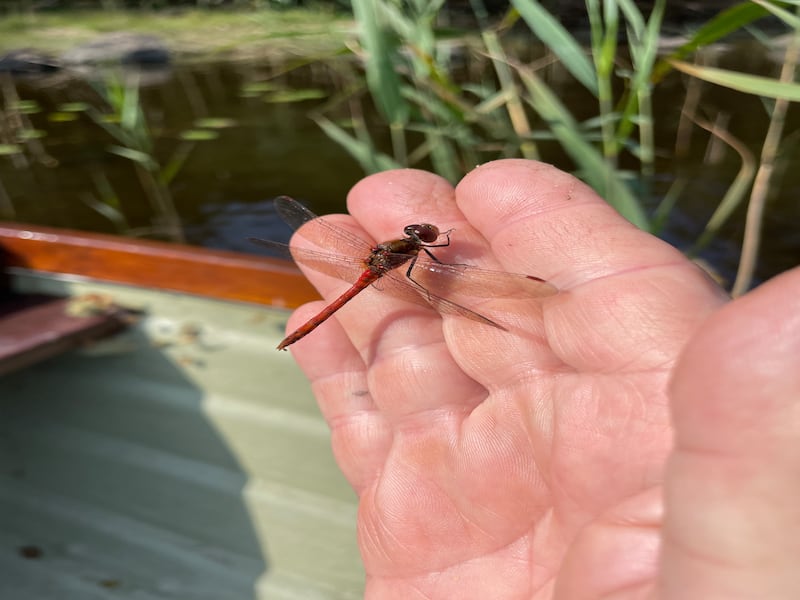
{"x":424,"y":231}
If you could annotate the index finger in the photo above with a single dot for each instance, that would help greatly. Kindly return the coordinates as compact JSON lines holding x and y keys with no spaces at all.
{"x":632,"y":298}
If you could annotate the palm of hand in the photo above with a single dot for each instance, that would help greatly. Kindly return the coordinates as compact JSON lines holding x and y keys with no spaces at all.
{"x":492,"y":461}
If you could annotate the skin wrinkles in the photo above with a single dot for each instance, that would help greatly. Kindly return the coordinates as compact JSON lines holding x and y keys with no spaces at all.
{"x":544,"y":465}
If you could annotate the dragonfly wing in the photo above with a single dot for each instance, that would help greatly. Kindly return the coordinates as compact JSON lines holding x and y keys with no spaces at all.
{"x":399,"y":286}
{"x":479,"y":283}
{"x":343,"y":267}
{"x":292,"y":212}
{"x":431,"y":280}
{"x":276,"y":247}
{"x":320,"y":232}
{"x":461,"y":280}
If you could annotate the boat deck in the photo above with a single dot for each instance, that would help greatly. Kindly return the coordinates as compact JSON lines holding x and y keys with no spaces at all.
{"x":184,"y":458}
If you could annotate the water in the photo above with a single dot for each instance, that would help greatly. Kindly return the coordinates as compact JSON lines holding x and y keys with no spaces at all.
{"x":270,"y":149}
{"x":223,"y":192}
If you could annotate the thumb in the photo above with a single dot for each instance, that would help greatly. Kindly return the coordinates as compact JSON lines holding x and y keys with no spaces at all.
{"x":732,"y":516}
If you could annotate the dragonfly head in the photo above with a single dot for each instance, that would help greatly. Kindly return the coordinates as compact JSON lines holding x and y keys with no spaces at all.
{"x":425,"y":232}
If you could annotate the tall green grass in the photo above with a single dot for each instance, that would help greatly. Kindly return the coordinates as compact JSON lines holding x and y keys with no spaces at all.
{"x":451,"y":124}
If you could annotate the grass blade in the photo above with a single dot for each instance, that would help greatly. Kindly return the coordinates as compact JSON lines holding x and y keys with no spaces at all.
{"x":791,"y":20}
{"x":725,"y":23}
{"x":736,"y":192}
{"x":364,"y":153}
{"x":750,"y":84}
{"x":513,"y":103}
{"x":558,"y":40}
{"x":381,"y":47}
{"x":593,"y":166}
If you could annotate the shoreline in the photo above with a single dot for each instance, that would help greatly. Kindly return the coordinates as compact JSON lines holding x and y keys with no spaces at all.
{"x":189,"y":34}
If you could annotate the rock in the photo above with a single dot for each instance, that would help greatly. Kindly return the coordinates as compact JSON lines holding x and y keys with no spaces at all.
{"x":27,"y":62}
{"x":132,"y":49}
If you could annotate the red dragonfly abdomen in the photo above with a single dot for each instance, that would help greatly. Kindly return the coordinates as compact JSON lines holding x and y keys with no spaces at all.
{"x":366,"y":279}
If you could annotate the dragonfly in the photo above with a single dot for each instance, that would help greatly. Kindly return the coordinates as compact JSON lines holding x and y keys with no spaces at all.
{"x":424,"y":279}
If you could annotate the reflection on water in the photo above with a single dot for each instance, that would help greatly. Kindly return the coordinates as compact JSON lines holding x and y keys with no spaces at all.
{"x":228,"y":226}
{"x":223,"y":190}
{"x":272,"y":149}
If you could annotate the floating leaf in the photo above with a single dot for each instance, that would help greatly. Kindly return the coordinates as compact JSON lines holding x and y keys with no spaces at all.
{"x":30,"y":134}
{"x":198,"y":135}
{"x":73,"y":107}
{"x":26,"y":107}
{"x":9,"y":149}
{"x":258,"y":87}
{"x":62,"y":117}
{"x":285,"y":96}
{"x":142,"y":158}
{"x":214,"y":123}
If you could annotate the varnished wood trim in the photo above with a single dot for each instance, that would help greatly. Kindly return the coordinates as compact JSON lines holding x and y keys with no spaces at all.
{"x":146,"y":263}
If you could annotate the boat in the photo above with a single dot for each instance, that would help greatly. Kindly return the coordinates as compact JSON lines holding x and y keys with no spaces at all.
{"x":154,"y":444}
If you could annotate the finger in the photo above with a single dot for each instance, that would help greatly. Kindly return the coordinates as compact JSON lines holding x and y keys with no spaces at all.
{"x":378,"y":316}
{"x":360,"y":436}
{"x":732,"y":484}
{"x":616,"y":554}
{"x":628,"y":300}
{"x":404,"y":343}
{"x":541,"y":218}
{"x":398,"y":342}
{"x":387,"y":201}
{"x":374,"y":321}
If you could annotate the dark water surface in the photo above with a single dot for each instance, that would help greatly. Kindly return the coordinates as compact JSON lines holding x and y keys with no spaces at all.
{"x":224,"y":189}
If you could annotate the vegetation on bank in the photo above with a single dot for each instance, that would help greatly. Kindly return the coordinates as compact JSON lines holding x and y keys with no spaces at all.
{"x":307,"y":32}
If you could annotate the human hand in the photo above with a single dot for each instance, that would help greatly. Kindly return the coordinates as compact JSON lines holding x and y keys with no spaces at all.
{"x":526,"y":463}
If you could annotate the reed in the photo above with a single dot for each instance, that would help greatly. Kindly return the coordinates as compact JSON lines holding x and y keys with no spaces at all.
{"x":124,"y":120}
{"x":438,"y":119}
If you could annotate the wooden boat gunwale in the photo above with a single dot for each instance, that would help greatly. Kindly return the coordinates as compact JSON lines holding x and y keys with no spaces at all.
{"x":220,"y":274}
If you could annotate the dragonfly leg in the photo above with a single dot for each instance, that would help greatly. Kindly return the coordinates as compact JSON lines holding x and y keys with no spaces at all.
{"x":413,"y":281}
{"x":429,"y":253}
